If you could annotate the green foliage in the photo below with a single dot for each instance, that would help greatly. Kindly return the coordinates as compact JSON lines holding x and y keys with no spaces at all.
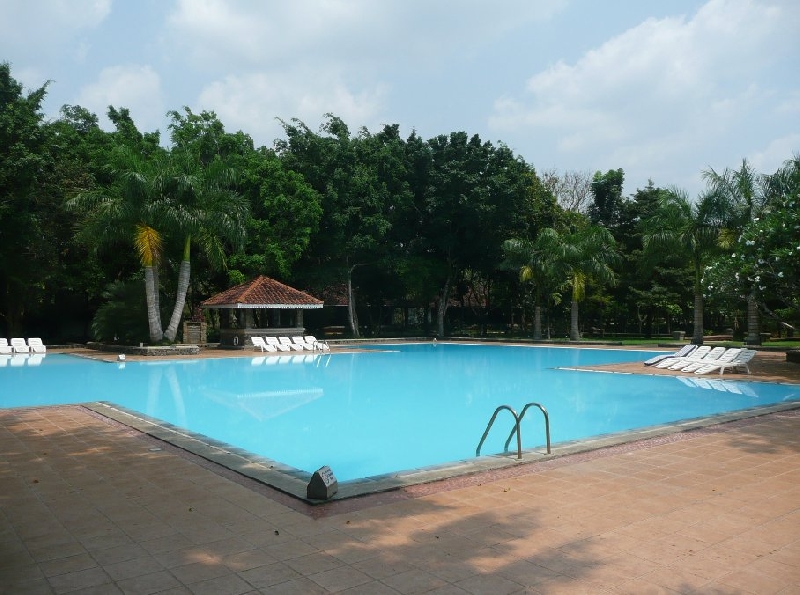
{"x":381,"y":219}
{"x":607,"y":204}
{"x":122,"y":317}
{"x":765,"y":257}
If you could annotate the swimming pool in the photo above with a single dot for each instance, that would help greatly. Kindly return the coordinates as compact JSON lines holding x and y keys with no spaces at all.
{"x":388,"y":408}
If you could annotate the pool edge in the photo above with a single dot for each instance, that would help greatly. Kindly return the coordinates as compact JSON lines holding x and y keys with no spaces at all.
{"x":293,"y":482}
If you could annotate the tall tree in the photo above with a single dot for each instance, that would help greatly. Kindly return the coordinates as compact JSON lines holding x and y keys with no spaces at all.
{"x":202,"y":205}
{"x":691,"y":230}
{"x":572,"y":188}
{"x":38,"y":166}
{"x":355,"y":199}
{"x":129,"y":212}
{"x":585,"y":255}
{"x":743,"y":190}
{"x":538,"y":267}
{"x":606,"y":207}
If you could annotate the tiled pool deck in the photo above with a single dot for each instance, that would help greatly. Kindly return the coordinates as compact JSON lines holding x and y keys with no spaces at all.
{"x":91,"y":506}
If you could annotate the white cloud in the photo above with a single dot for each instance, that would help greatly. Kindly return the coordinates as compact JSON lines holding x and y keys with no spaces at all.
{"x":253,"y":101}
{"x":271,"y":34}
{"x":775,"y":153}
{"x":54,"y":21}
{"x":137,"y":88}
{"x":658,"y":91}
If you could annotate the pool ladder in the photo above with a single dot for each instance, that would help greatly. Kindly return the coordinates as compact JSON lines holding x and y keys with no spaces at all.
{"x":516,"y":428}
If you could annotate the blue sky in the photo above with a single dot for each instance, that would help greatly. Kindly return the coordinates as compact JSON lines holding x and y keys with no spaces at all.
{"x":660,"y":89}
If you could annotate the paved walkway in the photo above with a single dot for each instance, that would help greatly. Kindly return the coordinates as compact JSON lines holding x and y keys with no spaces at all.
{"x":88,"y":506}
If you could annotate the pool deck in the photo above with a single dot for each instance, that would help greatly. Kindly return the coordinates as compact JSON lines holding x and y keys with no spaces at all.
{"x":88,"y":505}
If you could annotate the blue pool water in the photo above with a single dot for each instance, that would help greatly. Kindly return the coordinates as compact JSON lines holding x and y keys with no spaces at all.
{"x":389,"y":408}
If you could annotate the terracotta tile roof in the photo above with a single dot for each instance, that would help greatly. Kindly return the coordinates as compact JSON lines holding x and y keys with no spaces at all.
{"x":262,"y":292}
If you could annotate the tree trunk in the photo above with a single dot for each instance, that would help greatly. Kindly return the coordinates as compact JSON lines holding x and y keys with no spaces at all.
{"x":697,"y":336}
{"x":574,"y":333}
{"x":537,"y":322}
{"x":184,"y":273}
{"x":153,"y":314}
{"x":352,"y":315}
{"x":753,"y":326}
{"x":441,"y":310}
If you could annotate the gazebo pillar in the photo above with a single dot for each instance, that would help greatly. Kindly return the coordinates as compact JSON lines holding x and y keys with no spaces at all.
{"x":298,"y":318}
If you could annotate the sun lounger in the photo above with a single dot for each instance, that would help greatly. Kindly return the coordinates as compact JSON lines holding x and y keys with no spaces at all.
{"x":288,"y":342}
{"x":262,"y":345}
{"x":302,"y":342}
{"x":36,"y":346}
{"x":682,"y":352}
{"x":5,"y":347}
{"x":318,"y":345}
{"x":18,"y":345}
{"x":698,"y":353}
{"x":712,"y":355}
{"x":725,"y":357}
{"x":276,"y":344}
{"x":741,"y":361}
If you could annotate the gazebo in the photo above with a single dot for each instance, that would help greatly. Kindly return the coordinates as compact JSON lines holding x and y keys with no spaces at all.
{"x":260,"y":307}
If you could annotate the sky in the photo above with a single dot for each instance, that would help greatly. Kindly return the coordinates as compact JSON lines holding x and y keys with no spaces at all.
{"x":662,"y":89}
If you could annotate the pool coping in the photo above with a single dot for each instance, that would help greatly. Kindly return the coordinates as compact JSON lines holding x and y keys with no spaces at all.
{"x":294,"y":482}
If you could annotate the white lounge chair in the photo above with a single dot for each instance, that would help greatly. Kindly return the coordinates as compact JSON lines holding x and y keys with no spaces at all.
{"x":712,"y":355}
{"x":18,"y":345}
{"x":726,"y":356}
{"x":741,"y":361}
{"x":696,"y":354}
{"x":5,"y":347}
{"x":288,"y":342}
{"x":682,"y":352}
{"x":36,"y":345}
{"x":318,"y":345}
{"x":302,"y":342}
{"x":276,"y":344}
{"x":262,"y":345}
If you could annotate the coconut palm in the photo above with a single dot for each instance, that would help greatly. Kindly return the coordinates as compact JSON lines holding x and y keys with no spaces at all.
{"x":130,"y":211}
{"x":688,"y":230}
{"x":203,"y":209}
{"x":537,"y":266}
{"x":168,"y":196}
{"x":572,"y":259}
{"x":744,"y":191}
{"x":586,"y":254}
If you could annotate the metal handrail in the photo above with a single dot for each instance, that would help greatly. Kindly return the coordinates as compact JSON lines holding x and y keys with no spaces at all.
{"x":519,"y":421}
{"x":489,"y":426}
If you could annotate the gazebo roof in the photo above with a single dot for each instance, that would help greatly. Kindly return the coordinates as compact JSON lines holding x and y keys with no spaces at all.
{"x":262,"y":292}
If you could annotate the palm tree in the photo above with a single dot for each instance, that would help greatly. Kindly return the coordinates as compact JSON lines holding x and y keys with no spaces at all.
{"x":571,"y":259}
{"x":689,"y":230}
{"x":586,"y":254}
{"x":131,"y":211}
{"x":205,"y":211}
{"x":744,"y":190}
{"x":537,"y":266}
{"x":170,"y":195}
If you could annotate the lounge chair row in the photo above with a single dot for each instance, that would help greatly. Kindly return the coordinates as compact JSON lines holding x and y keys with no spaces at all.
{"x":19,"y":345}
{"x":705,"y":359}
{"x":276,"y":344}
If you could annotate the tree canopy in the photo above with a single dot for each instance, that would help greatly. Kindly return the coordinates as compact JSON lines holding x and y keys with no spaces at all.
{"x":451,"y":234}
